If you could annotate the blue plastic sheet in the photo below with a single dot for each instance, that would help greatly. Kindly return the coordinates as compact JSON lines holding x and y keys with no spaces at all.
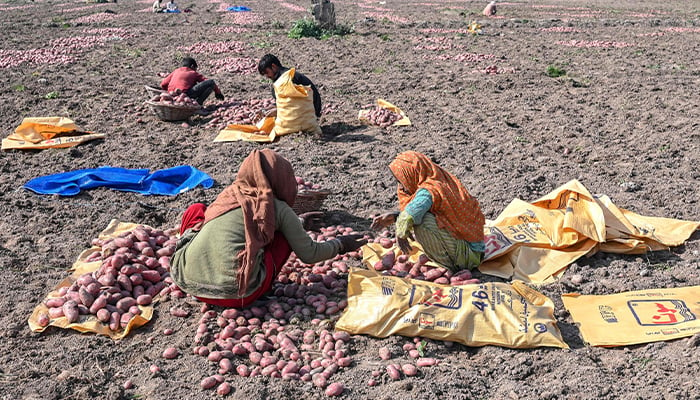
{"x":164,"y":182}
{"x":238,"y":8}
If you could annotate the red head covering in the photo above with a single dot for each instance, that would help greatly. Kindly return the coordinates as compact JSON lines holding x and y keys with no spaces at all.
{"x":263,"y":176}
{"x":455,"y":209}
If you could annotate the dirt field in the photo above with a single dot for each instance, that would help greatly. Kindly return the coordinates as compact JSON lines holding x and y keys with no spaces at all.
{"x":623,"y":119}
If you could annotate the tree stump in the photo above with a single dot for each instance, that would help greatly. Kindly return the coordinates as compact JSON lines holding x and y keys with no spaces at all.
{"x":324,"y":14}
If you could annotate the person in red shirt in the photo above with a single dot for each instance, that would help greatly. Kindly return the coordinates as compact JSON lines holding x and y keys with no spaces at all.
{"x":187,"y":79}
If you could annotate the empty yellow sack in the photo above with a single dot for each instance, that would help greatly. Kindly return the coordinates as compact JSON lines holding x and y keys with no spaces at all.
{"x":641,"y":316}
{"x":47,"y":132}
{"x":535,"y":242}
{"x":260,"y":132}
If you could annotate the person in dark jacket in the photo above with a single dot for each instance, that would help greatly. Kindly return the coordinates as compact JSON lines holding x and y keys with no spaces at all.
{"x":270,"y":67}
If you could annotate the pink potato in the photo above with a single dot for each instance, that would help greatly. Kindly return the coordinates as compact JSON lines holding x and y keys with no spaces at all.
{"x":409,"y":369}
{"x":55,"y":302}
{"x":223,"y":389}
{"x":433,"y":273}
{"x":114,"y":321}
{"x":170,"y":353}
{"x":125,"y":318}
{"x":43,"y":320}
{"x":426,"y":362}
{"x":335,"y":389}
{"x":384,"y":353}
{"x":103,"y":315}
{"x":178,"y":312}
{"x":99,"y":303}
{"x":388,"y":260}
{"x":243,"y":370}
{"x":208,"y":382}
{"x":393,"y":372}
{"x":144,"y":300}
{"x":56,"y":312}
{"x":70,"y":311}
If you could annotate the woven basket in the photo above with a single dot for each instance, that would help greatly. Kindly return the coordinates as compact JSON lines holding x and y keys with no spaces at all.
{"x":153,"y":91}
{"x":167,"y":112}
{"x":308,"y":201}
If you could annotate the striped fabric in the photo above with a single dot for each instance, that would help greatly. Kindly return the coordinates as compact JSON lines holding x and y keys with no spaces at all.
{"x":441,"y":247}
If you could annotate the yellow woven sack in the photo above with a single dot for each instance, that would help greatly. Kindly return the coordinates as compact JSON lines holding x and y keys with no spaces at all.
{"x":404,"y":121}
{"x":47,"y":132}
{"x":260,"y":132}
{"x":89,"y":323}
{"x":295,"y":107}
{"x":535,"y":242}
{"x":499,"y":314}
{"x":641,"y":316}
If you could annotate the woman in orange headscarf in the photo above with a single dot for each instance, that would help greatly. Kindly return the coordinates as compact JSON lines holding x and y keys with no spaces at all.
{"x":437,"y":211}
{"x":231,"y":251}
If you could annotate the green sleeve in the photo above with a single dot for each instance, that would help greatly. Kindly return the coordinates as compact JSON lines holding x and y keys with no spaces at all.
{"x":404,"y":224}
{"x":308,"y":251}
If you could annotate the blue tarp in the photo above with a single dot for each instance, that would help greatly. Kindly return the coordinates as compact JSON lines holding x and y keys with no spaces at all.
{"x":165,"y":182}
{"x":238,"y":8}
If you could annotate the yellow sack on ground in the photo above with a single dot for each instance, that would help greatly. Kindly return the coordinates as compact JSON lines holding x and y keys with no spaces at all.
{"x":499,"y":314}
{"x":636,"y":317}
{"x":260,"y":132}
{"x":47,"y":132}
{"x":404,"y":121}
{"x":535,"y":242}
{"x":89,"y":323}
{"x":295,"y":107}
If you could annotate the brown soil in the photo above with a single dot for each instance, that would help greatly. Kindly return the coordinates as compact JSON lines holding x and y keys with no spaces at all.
{"x":623,"y":120}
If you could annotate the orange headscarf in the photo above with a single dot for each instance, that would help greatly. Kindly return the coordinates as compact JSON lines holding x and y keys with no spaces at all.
{"x":454,"y":208}
{"x":263,"y":176}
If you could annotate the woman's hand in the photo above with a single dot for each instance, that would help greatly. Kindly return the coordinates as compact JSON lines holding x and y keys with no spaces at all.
{"x":351,"y":242}
{"x":404,"y":245}
{"x":383,"y":220}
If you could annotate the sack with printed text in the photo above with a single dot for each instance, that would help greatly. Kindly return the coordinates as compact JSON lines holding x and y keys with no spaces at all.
{"x":502,"y":314}
{"x":640,"y":316}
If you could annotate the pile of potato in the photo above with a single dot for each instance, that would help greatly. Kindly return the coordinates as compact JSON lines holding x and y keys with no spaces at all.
{"x":401,"y":266}
{"x":394,"y":370}
{"x":266,"y":339}
{"x":234,"y":65}
{"x":58,"y":51}
{"x":494,"y":70}
{"x":382,"y":117}
{"x":231,"y":29}
{"x":94,"y":18}
{"x":443,"y":30}
{"x":593,"y":43}
{"x":466,"y":57}
{"x":215,"y":47}
{"x":304,"y":185}
{"x":328,"y":108}
{"x":175,"y":98}
{"x":240,"y":112}
{"x":240,"y":18}
{"x":13,"y":58}
{"x":135,"y":268}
